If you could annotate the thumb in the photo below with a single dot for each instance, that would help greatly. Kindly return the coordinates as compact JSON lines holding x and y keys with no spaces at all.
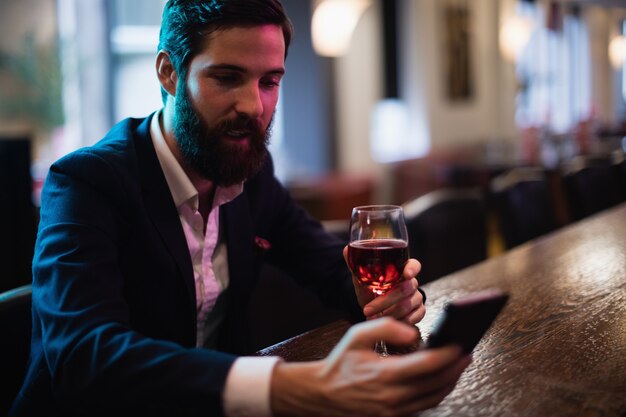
{"x":365,"y":334}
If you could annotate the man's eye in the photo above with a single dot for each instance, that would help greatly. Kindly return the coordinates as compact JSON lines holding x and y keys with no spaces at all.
{"x":226,"y":79}
{"x":272,"y":82}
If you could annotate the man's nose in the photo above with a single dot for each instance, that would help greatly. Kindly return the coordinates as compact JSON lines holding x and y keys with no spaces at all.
{"x":249,"y":102}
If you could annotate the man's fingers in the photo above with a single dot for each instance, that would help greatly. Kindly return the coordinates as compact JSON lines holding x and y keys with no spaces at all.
{"x":428,"y":362}
{"x":426,"y":392}
{"x":414,"y":316}
{"x":411,"y":314}
{"x":425,"y":402}
{"x":403,"y":291}
{"x":364,"y":335}
{"x":411,"y":269}
{"x":367,"y":333}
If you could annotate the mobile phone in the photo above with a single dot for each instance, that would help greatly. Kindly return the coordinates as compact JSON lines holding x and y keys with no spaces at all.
{"x":465,"y":320}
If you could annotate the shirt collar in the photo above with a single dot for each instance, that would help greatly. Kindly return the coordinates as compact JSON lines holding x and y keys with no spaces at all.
{"x":181,"y":187}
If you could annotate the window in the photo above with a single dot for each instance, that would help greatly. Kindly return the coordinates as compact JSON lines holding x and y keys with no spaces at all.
{"x":624,"y":65}
{"x":555,"y":74}
{"x":134,"y":35}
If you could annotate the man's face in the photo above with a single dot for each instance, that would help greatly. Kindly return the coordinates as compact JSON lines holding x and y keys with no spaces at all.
{"x":224,"y":110}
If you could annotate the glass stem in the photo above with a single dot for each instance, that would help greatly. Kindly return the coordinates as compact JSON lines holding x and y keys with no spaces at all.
{"x":381,"y":348}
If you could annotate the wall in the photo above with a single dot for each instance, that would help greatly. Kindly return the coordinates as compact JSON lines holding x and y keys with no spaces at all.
{"x":305,"y":101}
{"x":489,"y":115}
{"x":358,"y":85}
{"x":477,"y":118}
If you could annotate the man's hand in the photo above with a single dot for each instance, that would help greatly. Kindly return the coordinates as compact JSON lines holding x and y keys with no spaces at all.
{"x":354,"y":381}
{"x":403,"y":302}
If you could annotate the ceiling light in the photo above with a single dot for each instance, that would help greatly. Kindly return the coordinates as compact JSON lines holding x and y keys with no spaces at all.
{"x":333,"y":23}
{"x":617,"y":51}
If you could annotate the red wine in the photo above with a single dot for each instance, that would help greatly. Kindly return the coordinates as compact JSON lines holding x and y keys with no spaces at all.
{"x":378,"y":263}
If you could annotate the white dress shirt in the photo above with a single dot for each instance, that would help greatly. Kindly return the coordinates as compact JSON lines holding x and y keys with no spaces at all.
{"x":248,"y":383}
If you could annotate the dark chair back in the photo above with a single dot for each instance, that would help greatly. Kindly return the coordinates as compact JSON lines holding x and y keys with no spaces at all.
{"x":281,"y":309}
{"x":17,"y":213}
{"x":590,"y":185}
{"x":522,"y":204}
{"x":277,"y":292}
{"x":618,"y":166}
{"x":16,"y":327}
{"x":447,"y":230}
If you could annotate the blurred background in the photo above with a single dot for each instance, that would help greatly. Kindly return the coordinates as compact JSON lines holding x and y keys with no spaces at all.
{"x":383,"y":101}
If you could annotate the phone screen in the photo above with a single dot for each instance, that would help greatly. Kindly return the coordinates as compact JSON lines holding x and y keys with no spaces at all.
{"x":464,"y":321}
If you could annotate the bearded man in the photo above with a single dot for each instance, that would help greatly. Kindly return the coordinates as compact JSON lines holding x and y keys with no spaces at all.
{"x":151,"y":242}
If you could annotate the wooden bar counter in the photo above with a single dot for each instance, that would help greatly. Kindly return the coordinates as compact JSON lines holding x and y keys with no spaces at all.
{"x":559,"y":346}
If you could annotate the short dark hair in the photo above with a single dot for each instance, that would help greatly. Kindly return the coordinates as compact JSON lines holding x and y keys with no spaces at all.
{"x":186,"y":23}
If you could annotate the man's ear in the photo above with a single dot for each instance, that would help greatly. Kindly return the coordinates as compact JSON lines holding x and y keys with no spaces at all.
{"x":166,"y":72}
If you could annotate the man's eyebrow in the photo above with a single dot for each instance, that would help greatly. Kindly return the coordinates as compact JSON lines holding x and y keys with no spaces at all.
{"x":237,"y":68}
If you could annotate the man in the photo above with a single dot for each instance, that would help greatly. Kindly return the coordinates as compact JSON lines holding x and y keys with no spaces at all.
{"x":151,"y":241}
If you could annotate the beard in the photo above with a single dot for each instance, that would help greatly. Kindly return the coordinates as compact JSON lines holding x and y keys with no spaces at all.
{"x":206,"y":152}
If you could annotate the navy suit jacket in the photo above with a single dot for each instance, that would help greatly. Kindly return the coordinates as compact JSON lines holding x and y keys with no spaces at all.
{"x":114,"y":316}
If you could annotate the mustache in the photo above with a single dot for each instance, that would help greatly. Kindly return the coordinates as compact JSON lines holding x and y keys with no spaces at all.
{"x":241,"y":122}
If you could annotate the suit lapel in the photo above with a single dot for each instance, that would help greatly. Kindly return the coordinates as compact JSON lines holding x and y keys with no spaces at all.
{"x":161,"y":208}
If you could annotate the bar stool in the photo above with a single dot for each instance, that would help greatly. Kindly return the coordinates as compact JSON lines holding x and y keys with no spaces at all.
{"x":618,"y":166}
{"x":590,"y":185}
{"x":447,"y":230}
{"x":18,"y":227}
{"x":522,"y":203}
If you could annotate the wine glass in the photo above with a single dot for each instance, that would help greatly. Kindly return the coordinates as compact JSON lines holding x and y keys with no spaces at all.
{"x":378,"y":250}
